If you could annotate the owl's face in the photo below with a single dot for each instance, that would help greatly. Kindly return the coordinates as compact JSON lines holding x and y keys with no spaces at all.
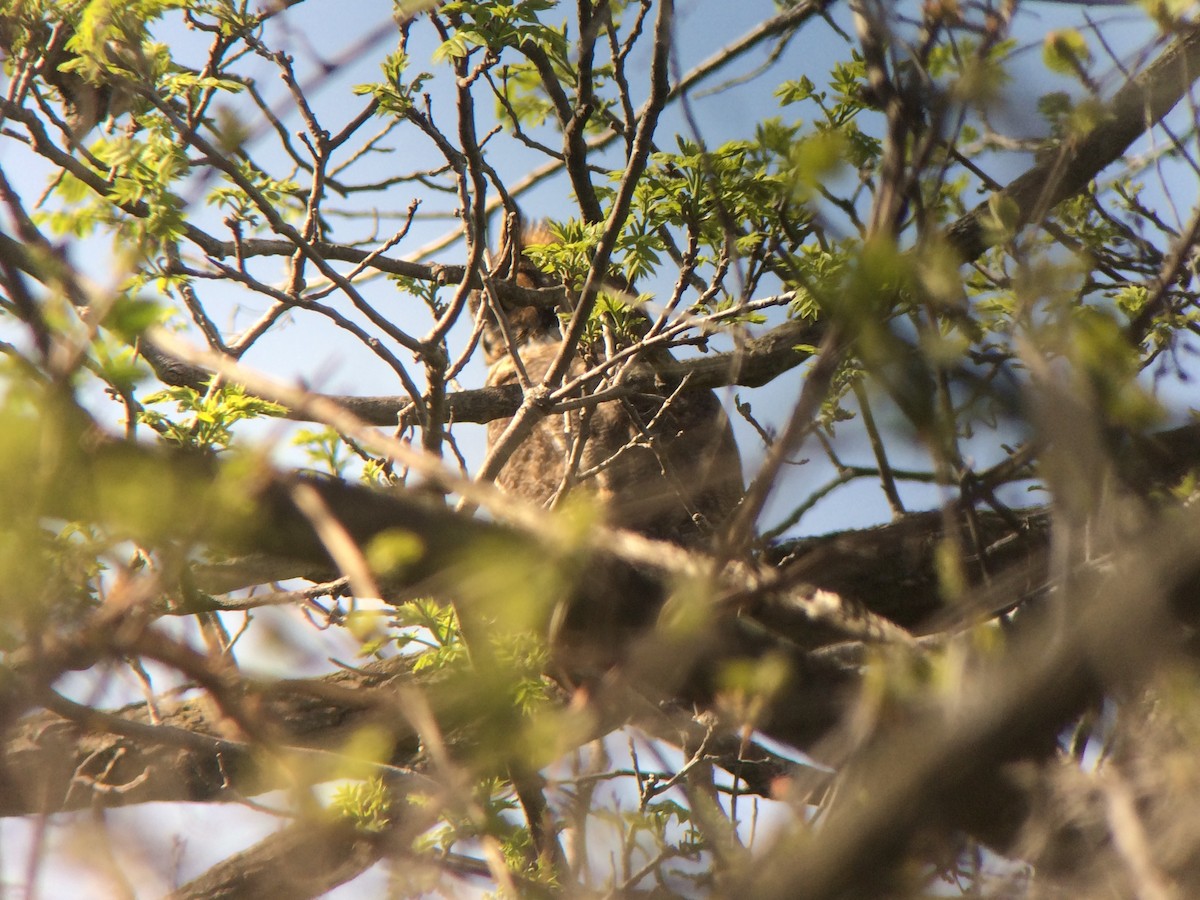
{"x":526,"y":324}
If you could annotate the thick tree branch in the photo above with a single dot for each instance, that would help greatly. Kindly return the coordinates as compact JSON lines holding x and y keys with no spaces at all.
{"x":176,"y":752}
{"x":306,"y":859}
{"x":1141,"y":103}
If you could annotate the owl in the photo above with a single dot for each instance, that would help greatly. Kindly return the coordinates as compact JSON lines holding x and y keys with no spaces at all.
{"x":662,"y":463}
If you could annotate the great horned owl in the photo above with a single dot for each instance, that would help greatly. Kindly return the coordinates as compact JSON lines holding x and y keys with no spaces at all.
{"x":664,"y":463}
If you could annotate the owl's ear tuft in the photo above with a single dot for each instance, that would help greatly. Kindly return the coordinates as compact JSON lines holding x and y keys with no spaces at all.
{"x":510,"y":261}
{"x":505,"y":261}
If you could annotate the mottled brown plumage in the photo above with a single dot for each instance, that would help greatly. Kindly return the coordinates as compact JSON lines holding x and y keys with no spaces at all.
{"x":663,"y":464}
{"x":87,"y":99}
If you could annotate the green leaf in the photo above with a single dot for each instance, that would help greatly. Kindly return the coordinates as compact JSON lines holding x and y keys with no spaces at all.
{"x":367,"y":804}
{"x":129,"y":317}
{"x":1004,"y":215}
{"x":1065,"y":51}
{"x":391,"y":551}
{"x":795,"y":91}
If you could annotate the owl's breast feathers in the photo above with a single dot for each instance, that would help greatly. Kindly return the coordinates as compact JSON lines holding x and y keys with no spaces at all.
{"x":668,"y":468}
